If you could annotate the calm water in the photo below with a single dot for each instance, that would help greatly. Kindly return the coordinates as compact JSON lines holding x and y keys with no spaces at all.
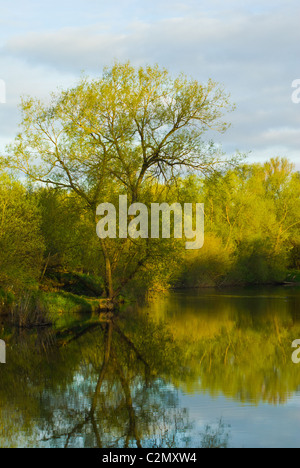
{"x":159,"y":375}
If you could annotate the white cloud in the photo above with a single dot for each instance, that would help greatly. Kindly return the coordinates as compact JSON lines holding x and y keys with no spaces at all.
{"x":292,"y":135}
{"x":251,"y":48}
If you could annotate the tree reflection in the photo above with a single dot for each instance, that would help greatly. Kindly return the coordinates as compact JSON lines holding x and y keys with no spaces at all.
{"x":128,"y":404}
{"x":117,"y":383}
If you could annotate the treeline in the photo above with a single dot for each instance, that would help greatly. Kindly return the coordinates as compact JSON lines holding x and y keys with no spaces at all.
{"x":252,"y":219}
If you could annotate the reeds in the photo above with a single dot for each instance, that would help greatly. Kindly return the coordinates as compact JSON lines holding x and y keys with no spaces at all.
{"x":29,"y":311}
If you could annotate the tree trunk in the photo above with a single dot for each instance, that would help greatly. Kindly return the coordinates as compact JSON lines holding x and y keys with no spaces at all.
{"x":109,"y":290}
{"x":108,"y":274}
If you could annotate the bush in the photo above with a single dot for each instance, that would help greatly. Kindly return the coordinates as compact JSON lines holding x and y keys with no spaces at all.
{"x":257,"y":262}
{"x":29,"y":310}
{"x":6,"y":300}
{"x":207,"y":266}
{"x":21,"y":244}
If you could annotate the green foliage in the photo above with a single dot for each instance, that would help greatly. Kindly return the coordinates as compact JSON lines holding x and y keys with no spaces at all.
{"x":140,"y":132}
{"x":6,"y":299}
{"x":68,"y":230}
{"x":257,"y":263}
{"x":21,"y":242}
{"x":29,"y":310}
{"x":208,"y":266}
{"x":113,"y":135}
{"x":252,"y":221}
{"x":78,"y":283}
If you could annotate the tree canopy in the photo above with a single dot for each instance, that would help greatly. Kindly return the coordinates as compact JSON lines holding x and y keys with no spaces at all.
{"x":120,"y":132}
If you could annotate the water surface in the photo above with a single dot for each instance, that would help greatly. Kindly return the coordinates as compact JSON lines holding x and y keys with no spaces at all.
{"x":159,"y":375}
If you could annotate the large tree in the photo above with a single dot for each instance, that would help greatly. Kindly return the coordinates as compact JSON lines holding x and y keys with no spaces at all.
{"x":123,"y":129}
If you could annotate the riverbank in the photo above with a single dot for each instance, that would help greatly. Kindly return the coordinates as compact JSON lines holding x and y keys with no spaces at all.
{"x":66,"y":300}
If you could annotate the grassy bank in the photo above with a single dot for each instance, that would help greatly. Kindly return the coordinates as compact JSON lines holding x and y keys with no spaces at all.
{"x":54,"y":305}
{"x":58,"y":309}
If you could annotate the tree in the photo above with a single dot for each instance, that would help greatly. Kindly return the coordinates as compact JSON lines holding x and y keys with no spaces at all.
{"x":117,"y":133}
{"x":21,"y":243}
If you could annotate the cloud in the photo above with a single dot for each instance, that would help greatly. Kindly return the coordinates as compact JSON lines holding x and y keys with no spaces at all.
{"x":250,"y":49}
{"x":252,"y":41}
{"x":21,"y":79}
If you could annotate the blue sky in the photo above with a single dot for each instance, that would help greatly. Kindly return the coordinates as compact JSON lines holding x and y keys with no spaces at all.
{"x":251,"y":47}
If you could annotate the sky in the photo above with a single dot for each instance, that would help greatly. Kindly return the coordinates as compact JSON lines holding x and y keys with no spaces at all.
{"x":250,"y":47}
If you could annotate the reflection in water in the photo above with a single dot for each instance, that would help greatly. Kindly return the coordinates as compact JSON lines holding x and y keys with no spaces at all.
{"x":99,"y":388}
{"x":120,"y":383}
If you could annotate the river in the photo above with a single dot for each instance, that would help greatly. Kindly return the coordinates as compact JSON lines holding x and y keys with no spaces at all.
{"x":188,"y":369}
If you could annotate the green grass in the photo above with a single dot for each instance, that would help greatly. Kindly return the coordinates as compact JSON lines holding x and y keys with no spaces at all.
{"x":66,"y":309}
